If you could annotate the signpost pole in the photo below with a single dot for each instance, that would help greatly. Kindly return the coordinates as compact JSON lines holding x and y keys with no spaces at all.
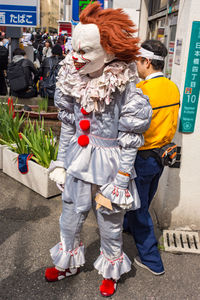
{"x":14,"y":33}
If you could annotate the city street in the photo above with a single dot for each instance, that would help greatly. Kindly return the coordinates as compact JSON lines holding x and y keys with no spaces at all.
{"x":29,"y":227}
{"x":109,"y":91}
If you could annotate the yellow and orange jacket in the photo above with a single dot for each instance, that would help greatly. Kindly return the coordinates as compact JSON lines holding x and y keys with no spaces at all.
{"x":161,"y":92}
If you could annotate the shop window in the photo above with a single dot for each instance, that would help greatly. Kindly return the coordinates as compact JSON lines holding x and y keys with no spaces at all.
{"x":163,"y":3}
{"x":156,"y":6}
{"x":171,"y":45}
{"x":172,"y":32}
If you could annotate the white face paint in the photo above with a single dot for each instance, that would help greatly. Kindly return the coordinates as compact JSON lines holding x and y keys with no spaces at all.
{"x":88,"y":54}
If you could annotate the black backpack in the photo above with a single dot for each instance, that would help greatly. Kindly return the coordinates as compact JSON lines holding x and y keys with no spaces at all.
{"x":16,"y":76}
{"x":49,"y":83}
{"x":3,"y":57}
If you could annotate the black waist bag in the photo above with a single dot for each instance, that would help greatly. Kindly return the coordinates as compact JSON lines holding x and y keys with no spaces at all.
{"x":16,"y":76}
{"x":165,"y":156}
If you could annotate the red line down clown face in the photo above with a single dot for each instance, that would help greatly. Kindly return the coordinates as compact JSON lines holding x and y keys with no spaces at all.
{"x":88,"y":54}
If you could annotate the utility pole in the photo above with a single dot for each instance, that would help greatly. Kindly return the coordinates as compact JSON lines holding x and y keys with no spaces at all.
{"x":38,"y":13}
{"x":64,"y":10}
{"x":108,"y":4}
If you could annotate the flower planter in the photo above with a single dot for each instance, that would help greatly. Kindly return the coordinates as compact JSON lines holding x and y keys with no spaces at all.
{"x":36,"y":179}
{"x":52,"y":113}
{"x":1,"y":156}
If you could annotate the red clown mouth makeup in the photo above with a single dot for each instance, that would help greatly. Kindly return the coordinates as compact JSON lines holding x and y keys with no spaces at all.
{"x":78,"y":65}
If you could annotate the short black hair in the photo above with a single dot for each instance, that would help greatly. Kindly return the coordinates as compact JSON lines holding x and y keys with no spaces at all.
{"x":57,"y":50}
{"x":19,"y":51}
{"x":157,"y":48}
{"x":48,"y":40}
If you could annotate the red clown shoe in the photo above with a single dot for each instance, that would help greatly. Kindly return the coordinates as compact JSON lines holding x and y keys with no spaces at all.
{"x":108,"y":287}
{"x":52,"y":274}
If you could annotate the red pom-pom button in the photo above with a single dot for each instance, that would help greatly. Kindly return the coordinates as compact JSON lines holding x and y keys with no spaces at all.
{"x":84,"y":112}
{"x":84,"y":124}
{"x":83,"y":140}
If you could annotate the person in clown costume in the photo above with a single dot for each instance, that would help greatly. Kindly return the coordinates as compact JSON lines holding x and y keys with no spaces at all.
{"x":103,"y":117}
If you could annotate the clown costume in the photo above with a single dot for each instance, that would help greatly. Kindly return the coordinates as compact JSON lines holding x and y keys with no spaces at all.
{"x":103,"y":117}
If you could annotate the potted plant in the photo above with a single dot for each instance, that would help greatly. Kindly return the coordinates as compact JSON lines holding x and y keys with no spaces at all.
{"x":41,"y":110}
{"x":43,"y":147}
{"x":11,"y":123}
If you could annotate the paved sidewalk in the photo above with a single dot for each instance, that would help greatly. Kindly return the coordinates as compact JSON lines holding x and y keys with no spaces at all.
{"x":29,"y":227}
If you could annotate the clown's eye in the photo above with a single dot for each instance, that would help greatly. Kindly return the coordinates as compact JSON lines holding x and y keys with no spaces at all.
{"x":81,"y":52}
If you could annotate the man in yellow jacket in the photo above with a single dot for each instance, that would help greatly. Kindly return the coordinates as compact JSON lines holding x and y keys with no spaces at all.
{"x":164,"y":98}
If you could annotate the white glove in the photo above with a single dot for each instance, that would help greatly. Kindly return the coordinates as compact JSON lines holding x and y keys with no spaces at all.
{"x":58,"y":175}
{"x":125,"y":206}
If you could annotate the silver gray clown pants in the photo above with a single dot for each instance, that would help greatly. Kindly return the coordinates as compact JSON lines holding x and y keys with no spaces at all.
{"x":112,"y":262}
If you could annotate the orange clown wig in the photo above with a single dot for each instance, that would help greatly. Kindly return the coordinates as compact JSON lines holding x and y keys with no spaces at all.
{"x":116,"y":30}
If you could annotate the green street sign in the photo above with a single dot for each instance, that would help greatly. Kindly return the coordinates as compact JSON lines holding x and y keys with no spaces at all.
{"x":192,"y":82}
{"x":83,"y":4}
{"x":79,"y":5}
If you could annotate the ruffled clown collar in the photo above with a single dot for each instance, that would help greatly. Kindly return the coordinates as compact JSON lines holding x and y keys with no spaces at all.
{"x":94,"y":93}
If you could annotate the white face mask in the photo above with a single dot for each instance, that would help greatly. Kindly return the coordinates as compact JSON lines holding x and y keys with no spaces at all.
{"x":88,"y":54}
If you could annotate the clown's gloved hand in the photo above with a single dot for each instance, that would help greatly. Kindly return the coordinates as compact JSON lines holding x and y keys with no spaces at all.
{"x":118,"y":192}
{"x":59,"y":176}
{"x":122,"y":180}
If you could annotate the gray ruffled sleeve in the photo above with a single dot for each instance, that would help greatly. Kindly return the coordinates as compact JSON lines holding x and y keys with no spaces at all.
{"x":134,"y":119}
{"x":66,"y":115}
{"x":65,"y":103}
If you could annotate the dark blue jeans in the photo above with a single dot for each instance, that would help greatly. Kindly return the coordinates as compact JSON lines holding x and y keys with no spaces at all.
{"x":139,"y":222}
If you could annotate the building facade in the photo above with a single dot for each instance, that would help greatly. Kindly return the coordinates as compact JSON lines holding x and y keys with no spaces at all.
{"x":49,"y":12}
{"x":158,"y":20}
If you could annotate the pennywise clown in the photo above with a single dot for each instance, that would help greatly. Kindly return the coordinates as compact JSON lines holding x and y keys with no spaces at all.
{"x":103,"y":117}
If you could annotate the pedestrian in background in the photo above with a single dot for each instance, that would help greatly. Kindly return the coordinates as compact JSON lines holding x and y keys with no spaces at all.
{"x":164,"y":99}
{"x":61,"y":42}
{"x":68,"y":45}
{"x":38,"y":47}
{"x":22,"y":75}
{"x":49,"y":71}
{"x":4,"y":39}
{"x":47,"y":50}
{"x":3,"y":66}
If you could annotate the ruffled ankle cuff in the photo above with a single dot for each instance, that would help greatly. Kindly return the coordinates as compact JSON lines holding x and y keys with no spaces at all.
{"x":68,"y":259}
{"x":112,"y":268}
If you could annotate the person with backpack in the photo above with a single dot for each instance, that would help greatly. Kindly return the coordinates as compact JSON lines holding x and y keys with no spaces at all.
{"x":38,"y":46}
{"x":3,"y":66}
{"x":22,"y":76}
{"x":49,"y":71}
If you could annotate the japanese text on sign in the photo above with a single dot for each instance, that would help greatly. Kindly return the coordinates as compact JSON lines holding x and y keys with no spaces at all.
{"x":192,"y":82}
{"x":16,"y":15}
